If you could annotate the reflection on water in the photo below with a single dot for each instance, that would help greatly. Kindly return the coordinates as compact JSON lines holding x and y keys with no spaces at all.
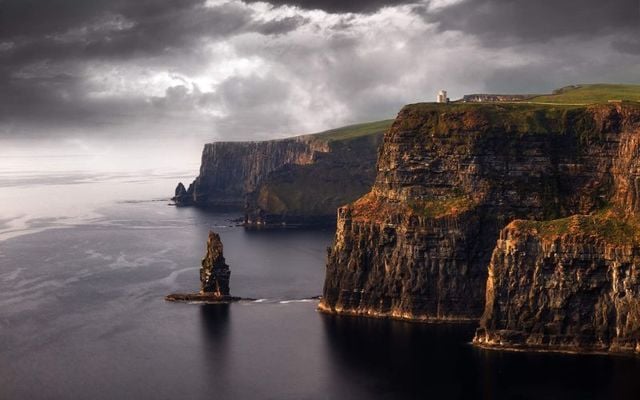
{"x":393,"y":358}
{"x":215,"y":322}
{"x":215,"y":346}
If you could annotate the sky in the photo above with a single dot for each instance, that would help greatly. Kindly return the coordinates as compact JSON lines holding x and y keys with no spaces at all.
{"x":205,"y":70}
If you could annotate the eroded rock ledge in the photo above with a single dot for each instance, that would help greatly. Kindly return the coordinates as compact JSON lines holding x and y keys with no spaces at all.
{"x":568,"y":285}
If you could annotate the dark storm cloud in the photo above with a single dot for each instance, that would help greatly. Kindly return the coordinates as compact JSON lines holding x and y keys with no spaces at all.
{"x":281,"y":26}
{"x":236,"y":70}
{"x":44,"y":44}
{"x":340,"y":6}
{"x":630,"y":46}
{"x":500,"y":21}
{"x":125,"y":29}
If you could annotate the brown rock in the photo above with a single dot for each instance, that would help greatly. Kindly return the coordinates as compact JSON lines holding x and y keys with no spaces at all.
{"x":214,"y":273}
{"x":449,"y":178}
{"x":567,"y":285}
{"x":295,"y":181}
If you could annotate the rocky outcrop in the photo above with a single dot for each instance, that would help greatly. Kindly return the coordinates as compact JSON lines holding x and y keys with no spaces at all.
{"x":296,"y":181}
{"x":214,"y":273}
{"x":214,"y":277}
{"x":568,"y":285}
{"x":310,"y":194}
{"x":449,"y":178}
{"x":230,"y":170}
{"x":182,"y":197}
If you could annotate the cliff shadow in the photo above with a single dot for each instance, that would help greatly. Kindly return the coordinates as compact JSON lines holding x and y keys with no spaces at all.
{"x":396,"y":359}
{"x":540,"y":375}
{"x":214,"y":334}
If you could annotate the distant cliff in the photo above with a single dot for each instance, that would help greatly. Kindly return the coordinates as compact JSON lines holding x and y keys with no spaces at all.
{"x":300,"y":180}
{"x":230,"y":170}
{"x":450,"y":177}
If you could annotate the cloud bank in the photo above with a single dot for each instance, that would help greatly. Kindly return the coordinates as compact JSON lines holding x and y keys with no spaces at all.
{"x":234,"y":70}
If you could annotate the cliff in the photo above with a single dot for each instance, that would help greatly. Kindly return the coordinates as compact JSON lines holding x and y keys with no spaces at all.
{"x":449,"y":178}
{"x":301,"y":180}
{"x":571,"y":285}
{"x":230,"y":170}
{"x":310,"y":194}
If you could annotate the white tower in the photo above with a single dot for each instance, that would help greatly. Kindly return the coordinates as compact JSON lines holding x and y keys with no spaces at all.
{"x":442,"y":97}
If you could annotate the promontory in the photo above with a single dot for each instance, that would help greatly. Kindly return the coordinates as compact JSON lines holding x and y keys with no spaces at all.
{"x":522,"y":213}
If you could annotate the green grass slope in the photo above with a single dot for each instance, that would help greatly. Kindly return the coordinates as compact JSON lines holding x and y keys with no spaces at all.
{"x":354,"y":131}
{"x":589,"y":94}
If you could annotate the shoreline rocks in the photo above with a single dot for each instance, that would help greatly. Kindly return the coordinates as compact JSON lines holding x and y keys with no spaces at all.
{"x":209,"y":298}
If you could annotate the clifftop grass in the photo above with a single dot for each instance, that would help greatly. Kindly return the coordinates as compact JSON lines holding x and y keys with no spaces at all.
{"x":438,"y":208}
{"x":354,"y":131}
{"x":514,"y":118}
{"x":590,"y":94}
{"x":608,"y":224}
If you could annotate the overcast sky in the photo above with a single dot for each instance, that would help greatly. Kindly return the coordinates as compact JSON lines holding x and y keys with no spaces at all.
{"x":234,"y":70}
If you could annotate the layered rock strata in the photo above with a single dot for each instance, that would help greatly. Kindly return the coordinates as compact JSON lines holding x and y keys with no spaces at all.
{"x":296,"y":181}
{"x":230,"y":170}
{"x":572,"y":284}
{"x":310,"y":194}
{"x":449,"y":178}
{"x":568,"y":285}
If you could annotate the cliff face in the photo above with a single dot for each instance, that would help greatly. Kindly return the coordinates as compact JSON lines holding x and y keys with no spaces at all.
{"x":230,"y":170}
{"x":449,"y":178}
{"x":570,"y":284}
{"x":309,"y":194}
{"x":301,"y":180}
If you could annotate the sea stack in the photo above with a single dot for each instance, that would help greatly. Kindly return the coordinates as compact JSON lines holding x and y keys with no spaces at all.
{"x":214,"y":273}
{"x":183,"y":197}
{"x":214,"y":277}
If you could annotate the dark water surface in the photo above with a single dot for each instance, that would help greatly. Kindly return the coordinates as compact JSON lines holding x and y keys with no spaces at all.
{"x":82,"y":316}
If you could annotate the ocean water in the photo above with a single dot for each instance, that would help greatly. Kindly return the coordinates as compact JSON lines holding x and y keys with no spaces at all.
{"x":87,"y":256}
